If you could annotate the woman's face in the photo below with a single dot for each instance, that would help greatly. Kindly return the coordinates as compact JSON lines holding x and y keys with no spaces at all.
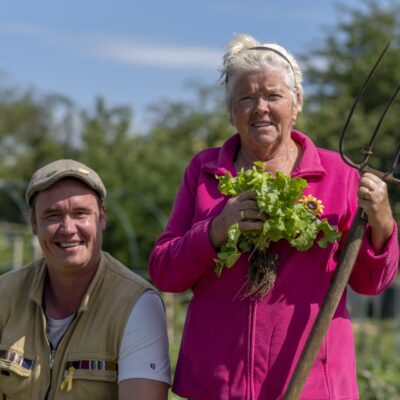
{"x":262,"y":110}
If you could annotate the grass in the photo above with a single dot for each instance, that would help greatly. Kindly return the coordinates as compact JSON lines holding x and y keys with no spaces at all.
{"x":378,"y":363}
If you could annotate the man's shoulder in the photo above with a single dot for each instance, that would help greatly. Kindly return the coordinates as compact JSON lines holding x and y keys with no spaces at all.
{"x":16,"y":280}
{"x":122,"y":273}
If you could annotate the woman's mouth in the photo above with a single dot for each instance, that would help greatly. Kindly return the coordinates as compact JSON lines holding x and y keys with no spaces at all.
{"x":261,"y":124}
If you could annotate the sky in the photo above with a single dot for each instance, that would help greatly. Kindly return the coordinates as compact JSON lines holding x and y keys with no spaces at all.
{"x":139,"y":53}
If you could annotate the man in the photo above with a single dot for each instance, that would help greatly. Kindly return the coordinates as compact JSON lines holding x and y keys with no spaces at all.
{"x":77,"y":324}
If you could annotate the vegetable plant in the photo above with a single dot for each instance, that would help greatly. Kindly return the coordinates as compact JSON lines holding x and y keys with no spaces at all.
{"x":289,"y":215}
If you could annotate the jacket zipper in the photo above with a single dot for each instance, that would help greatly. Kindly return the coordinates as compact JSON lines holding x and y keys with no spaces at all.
{"x":250,"y":357}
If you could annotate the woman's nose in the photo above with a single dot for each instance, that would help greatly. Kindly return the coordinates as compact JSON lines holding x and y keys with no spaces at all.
{"x":261,"y":105}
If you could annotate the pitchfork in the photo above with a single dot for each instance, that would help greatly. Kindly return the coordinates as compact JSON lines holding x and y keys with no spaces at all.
{"x":350,"y":251}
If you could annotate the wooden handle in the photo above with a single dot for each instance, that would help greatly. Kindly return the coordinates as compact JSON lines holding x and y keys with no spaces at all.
{"x":328,"y":308}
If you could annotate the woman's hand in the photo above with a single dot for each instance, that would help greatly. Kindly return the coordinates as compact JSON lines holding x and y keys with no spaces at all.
{"x":242,"y":210}
{"x":374,"y":199}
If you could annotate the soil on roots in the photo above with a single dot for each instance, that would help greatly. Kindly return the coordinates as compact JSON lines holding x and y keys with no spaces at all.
{"x":262,"y":273}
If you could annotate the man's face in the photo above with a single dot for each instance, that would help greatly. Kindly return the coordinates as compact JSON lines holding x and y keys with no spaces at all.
{"x":68,"y":222}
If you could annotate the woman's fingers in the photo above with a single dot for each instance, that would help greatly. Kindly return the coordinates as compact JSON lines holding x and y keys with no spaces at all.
{"x":248,"y":195}
{"x":374,"y":199}
{"x":251,"y":214}
{"x":240,"y":210}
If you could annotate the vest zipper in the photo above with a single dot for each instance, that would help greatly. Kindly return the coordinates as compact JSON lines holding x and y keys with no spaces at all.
{"x":52,"y":357}
{"x":53,"y":352}
{"x":51,"y":363}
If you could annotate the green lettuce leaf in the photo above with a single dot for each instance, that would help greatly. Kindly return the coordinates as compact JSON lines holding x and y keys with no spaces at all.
{"x":278,"y":197}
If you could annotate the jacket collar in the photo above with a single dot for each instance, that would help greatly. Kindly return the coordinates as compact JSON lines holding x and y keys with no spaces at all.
{"x":99,"y":275}
{"x":310,"y":163}
{"x":38,"y":281}
{"x":226,"y":157}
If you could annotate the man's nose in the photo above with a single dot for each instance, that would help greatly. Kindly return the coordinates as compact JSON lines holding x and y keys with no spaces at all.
{"x":67,"y":225}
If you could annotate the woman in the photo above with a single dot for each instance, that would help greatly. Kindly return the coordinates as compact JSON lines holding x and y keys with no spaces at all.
{"x":246,"y":347}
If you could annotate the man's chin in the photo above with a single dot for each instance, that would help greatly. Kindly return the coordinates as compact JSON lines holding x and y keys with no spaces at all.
{"x":69,"y":263}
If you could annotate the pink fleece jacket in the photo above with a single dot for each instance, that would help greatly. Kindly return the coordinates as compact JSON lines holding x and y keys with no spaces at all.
{"x":247,"y":349}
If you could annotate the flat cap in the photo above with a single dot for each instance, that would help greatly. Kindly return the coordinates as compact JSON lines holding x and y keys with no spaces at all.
{"x":51,"y":173}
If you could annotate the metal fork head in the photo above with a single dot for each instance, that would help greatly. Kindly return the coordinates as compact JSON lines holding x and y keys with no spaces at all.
{"x":367,"y":152}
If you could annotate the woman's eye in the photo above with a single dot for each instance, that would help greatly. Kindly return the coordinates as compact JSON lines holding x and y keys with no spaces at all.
{"x":245,"y":98}
{"x":274,"y":96}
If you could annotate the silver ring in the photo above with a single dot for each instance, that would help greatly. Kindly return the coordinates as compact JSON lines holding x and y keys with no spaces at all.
{"x":367,"y":195}
{"x":242,"y":217}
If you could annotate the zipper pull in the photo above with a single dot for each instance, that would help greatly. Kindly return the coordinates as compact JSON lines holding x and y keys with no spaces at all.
{"x":67,"y":381}
{"x":52,"y":357}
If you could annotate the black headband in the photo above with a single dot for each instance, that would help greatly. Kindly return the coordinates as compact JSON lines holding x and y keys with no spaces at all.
{"x":276,"y":52}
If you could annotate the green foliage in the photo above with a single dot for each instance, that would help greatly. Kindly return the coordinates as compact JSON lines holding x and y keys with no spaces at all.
{"x":30,"y":135}
{"x":378,"y":364}
{"x":287,"y":217}
{"x":141,"y":171}
{"x":6,"y":254}
{"x":377,"y":381}
{"x":15,"y":246}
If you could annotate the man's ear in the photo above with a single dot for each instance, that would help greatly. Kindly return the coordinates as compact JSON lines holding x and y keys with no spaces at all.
{"x":103,"y":217}
{"x":33,"y":222}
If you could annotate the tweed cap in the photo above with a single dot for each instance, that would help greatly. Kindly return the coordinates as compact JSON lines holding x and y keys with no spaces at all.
{"x":51,"y":173}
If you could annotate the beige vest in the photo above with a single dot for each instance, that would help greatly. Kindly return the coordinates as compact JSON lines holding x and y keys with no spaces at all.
{"x":84,"y":366}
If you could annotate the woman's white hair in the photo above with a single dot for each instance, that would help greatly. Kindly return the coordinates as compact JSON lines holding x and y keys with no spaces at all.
{"x":245,"y":54}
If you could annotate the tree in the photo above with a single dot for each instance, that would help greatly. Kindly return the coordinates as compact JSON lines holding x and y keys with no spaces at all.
{"x":109,"y":146}
{"x":335,"y":72}
{"x":180,"y":130}
{"x":143,"y":172}
{"x":34,"y":130}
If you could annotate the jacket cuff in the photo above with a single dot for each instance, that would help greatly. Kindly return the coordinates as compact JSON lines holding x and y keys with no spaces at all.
{"x":202,"y":247}
{"x":387,"y":255}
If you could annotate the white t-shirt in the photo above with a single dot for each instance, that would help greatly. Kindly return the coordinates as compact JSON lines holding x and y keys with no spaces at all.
{"x":144,"y":345}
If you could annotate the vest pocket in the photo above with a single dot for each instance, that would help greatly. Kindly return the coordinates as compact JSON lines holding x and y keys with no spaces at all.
{"x":15,"y":374}
{"x":91,"y":378}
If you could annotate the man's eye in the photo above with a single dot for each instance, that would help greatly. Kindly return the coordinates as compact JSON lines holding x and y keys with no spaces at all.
{"x":81,"y":214}
{"x":52,"y":217}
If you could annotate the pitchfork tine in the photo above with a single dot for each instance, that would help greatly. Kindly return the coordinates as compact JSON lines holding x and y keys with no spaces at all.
{"x":360,"y":93}
{"x":396,"y":160}
{"x":368,"y":150}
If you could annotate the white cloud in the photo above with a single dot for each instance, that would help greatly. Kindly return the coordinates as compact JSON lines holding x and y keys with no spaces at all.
{"x":123,"y":50}
{"x":132,"y":52}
